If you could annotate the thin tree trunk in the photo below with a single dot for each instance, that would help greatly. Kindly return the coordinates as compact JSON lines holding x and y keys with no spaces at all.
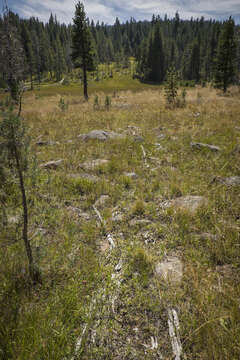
{"x":85,"y":90}
{"x":32,"y":273}
{"x":31,"y":76}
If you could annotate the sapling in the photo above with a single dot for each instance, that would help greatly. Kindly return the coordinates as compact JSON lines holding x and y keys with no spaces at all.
{"x":14,"y":144}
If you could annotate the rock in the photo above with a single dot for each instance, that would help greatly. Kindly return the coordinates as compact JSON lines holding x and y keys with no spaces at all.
{"x":93,"y":164}
{"x":205,"y":236}
{"x":140,"y":222}
{"x":14,"y":219}
{"x":138,"y":139}
{"x":160,"y":137}
{"x":117,"y":217}
{"x":170,"y":270}
{"x":82,"y":215}
{"x":132,"y":130}
{"x":199,"y":146}
{"x":53,"y":165}
{"x":230,"y":181}
{"x":187,"y":203}
{"x":102,"y":200}
{"x":131,"y":175}
{"x":47,"y":143}
{"x":100,"y":135}
{"x":86,"y":176}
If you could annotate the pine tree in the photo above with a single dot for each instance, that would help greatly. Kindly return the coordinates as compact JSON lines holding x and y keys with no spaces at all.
{"x":27,"y":45}
{"x":11,"y":54}
{"x":226,"y":57}
{"x":156,"y":59}
{"x":82,"y":48}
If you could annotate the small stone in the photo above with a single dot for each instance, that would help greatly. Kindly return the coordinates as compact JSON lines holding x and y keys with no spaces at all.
{"x":140,"y":222}
{"x":205,"y":236}
{"x":138,"y":139}
{"x":199,"y":146}
{"x":53,"y":165}
{"x":230,"y":181}
{"x":170,"y":270}
{"x":102,"y":200}
{"x":91,"y":165}
{"x":161,"y":137}
{"x":131,"y":175}
{"x":117,"y":217}
{"x":47,"y":143}
{"x":187,"y":203}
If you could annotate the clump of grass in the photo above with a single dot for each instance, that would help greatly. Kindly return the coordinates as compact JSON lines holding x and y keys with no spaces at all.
{"x":63,"y":106}
{"x":139,"y":207}
{"x":141,"y":263}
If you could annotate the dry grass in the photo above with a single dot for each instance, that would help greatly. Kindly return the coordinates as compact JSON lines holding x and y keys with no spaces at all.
{"x":50,"y":318}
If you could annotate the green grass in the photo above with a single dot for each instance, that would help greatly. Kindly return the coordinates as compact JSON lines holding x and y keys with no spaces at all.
{"x":44,"y":322}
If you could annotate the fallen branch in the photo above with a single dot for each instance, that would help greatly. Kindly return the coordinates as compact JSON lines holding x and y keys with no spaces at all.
{"x":174,"y":327}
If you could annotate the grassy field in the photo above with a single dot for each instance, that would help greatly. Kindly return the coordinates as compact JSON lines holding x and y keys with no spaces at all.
{"x":123,"y":313}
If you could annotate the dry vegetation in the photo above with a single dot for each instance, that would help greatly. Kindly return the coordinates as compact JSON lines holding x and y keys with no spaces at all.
{"x":70,"y":244}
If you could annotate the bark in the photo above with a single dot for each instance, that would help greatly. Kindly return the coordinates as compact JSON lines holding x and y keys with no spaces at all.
{"x":85,"y":90}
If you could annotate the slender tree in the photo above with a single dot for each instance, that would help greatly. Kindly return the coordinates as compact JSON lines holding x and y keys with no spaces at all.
{"x":14,"y":145}
{"x":226,"y":56}
{"x":82,"y":49}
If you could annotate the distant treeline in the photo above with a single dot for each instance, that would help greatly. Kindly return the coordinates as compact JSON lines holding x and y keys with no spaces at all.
{"x":188,"y":45}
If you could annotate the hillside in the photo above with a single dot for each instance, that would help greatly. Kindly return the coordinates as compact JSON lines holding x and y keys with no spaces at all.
{"x":132,"y":232}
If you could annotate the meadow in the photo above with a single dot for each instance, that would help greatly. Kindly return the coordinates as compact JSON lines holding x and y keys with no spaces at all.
{"x":98,"y":301}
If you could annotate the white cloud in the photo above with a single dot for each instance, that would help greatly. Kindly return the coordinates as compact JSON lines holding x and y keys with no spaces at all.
{"x":108,"y":10}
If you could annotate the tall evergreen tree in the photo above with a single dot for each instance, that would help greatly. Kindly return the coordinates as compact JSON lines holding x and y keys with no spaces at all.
{"x":82,"y":48}
{"x":156,"y":58}
{"x":226,"y":56}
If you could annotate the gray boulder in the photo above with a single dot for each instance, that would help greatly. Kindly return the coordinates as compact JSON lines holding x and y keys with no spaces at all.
{"x":100,"y":135}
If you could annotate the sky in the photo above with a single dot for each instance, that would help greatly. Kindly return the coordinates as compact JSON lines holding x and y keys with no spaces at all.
{"x":108,"y":10}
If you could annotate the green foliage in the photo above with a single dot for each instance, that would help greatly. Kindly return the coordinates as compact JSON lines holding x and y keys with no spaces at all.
{"x":63,"y":106}
{"x":107,"y":102}
{"x":96,"y":103}
{"x":225,"y":67}
{"x":171,"y":87}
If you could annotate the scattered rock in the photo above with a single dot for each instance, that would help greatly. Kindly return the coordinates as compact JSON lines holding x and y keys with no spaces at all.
{"x":53,"y":165}
{"x":100,"y":135}
{"x":140,"y":222}
{"x":131,"y":175}
{"x":161,"y":137}
{"x":93,"y":164}
{"x":199,"y":146}
{"x":205,"y":236}
{"x":47,"y":143}
{"x":132,"y":130}
{"x":188,"y":203}
{"x":84,"y":216}
{"x":86,"y":176}
{"x":170,"y":270}
{"x":117,"y":217}
{"x":230,"y":181}
{"x":138,"y":139}
{"x":102,"y":201}
{"x":14,"y":219}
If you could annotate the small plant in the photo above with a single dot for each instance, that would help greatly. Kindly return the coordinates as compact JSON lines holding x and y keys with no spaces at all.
{"x":96,"y":103}
{"x":138,"y":208}
{"x":107,"y":102}
{"x":171,"y":88}
{"x":63,"y":105}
